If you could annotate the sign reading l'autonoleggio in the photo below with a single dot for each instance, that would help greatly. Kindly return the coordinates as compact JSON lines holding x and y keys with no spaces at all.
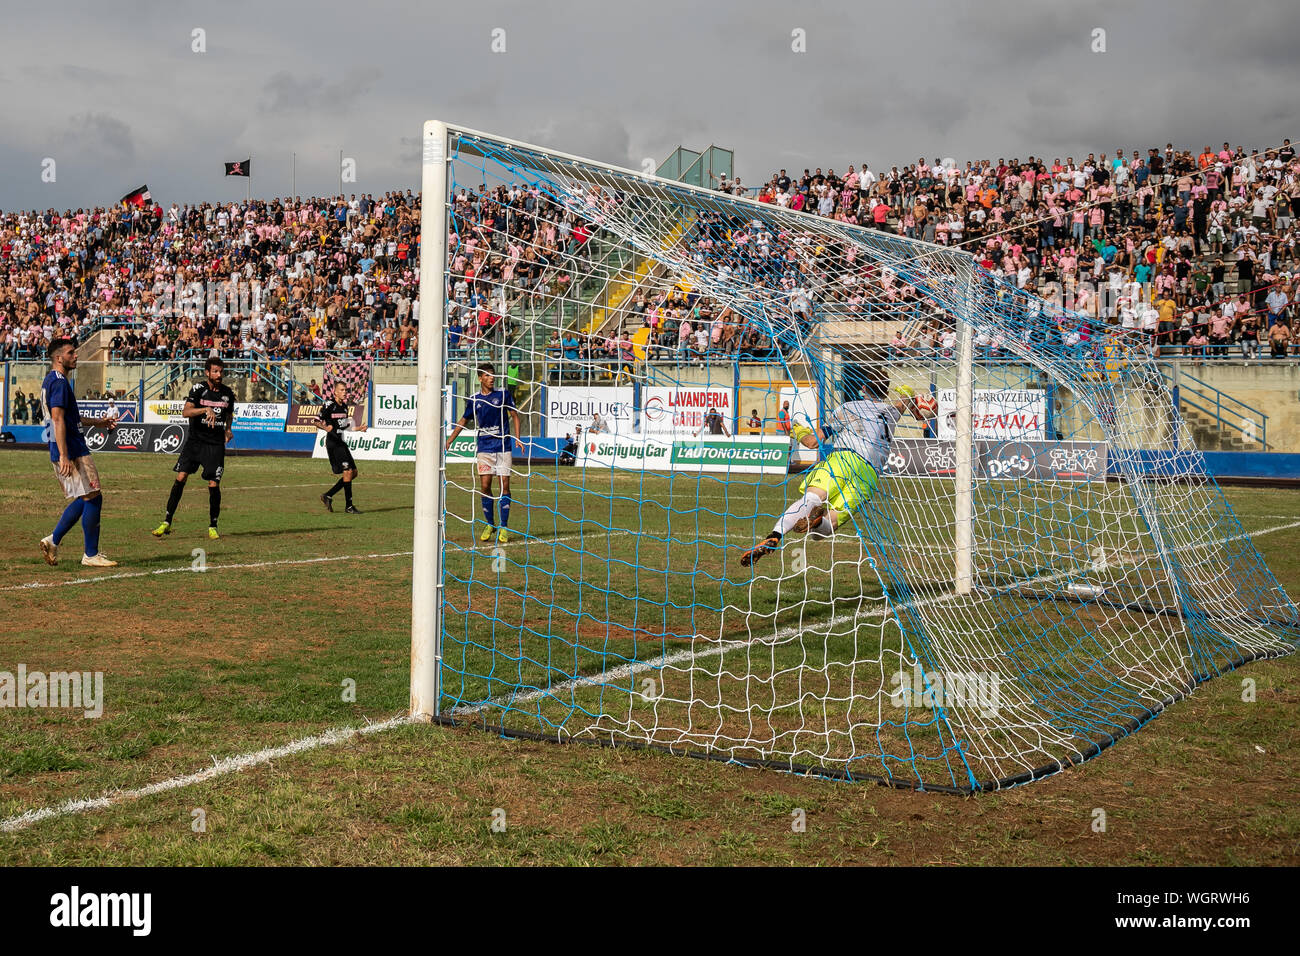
{"x":743,"y":454}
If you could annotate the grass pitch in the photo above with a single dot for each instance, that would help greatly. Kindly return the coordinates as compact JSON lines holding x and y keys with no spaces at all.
{"x":299,"y":606}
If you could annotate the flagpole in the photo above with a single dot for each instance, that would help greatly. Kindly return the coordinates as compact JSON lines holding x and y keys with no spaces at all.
{"x":340,"y":174}
{"x":248,"y":194}
{"x":293,"y":188}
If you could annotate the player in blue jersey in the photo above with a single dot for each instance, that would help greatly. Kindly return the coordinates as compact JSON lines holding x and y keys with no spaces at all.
{"x":71,"y":457}
{"x":486,"y":411}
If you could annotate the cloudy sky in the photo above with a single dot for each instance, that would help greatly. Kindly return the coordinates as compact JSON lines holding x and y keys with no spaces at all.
{"x":116,"y":95}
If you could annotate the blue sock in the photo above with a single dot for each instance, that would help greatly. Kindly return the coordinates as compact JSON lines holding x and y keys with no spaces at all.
{"x":90,"y":524}
{"x":505,"y":511}
{"x":488,"y":509}
{"x":71,"y":515}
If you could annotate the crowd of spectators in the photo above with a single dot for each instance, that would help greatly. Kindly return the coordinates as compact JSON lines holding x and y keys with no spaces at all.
{"x":680,"y":327}
{"x":1147,"y":242}
{"x":280,"y":278}
{"x":285,"y":279}
{"x":1197,"y":249}
{"x":515,"y":251}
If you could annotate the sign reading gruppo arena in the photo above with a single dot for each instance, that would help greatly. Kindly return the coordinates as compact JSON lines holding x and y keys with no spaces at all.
{"x":1000,"y":460}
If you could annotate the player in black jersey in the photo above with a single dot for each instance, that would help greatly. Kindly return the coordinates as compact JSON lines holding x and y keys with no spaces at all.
{"x":210,"y":408}
{"x":336,"y":418}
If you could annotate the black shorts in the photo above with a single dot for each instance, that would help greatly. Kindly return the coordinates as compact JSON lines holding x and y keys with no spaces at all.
{"x":340,"y":458}
{"x":197,"y":455}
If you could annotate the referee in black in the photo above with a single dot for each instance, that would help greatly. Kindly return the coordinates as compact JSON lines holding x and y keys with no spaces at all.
{"x":336,"y":418}
{"x":210,"y":409}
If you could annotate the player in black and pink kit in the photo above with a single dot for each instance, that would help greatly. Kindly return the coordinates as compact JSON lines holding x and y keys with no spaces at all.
{"x":210,"y":410}
{"x":336,"y":418}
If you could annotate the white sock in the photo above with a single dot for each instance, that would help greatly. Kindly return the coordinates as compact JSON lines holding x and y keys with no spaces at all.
{"x":824,"y":528}
{"x":797,"y":512}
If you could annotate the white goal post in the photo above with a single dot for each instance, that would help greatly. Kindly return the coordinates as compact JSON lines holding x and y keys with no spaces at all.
{"x":426,"y":560}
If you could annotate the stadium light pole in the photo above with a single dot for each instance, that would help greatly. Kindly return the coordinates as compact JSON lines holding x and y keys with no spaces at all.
{"x":430,"y":460}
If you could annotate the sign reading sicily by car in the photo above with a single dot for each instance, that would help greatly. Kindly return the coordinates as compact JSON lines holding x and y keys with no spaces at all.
{"x":382,"y":444}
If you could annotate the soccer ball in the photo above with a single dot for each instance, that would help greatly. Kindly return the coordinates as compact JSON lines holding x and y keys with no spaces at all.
{"x":927,"y":405}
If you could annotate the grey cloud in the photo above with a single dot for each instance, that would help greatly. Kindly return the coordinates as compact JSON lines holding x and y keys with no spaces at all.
{"x":285,"y":93}
{"x":89,"y":77}
{"x":594,"y":137}
{"x":96,"y":134}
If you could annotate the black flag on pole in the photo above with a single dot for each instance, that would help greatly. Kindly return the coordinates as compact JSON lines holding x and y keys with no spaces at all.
{"x":240,"y":169}
{"x":136,"y":197}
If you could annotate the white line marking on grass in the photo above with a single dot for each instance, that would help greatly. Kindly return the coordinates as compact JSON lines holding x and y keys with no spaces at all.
{"x":1255,"y":534}
{"x":248,"y":488}
{"x":189,"y":568}
{"x":38,"y":585}
{"x":219,"y":768}
{"x":343,"y":734}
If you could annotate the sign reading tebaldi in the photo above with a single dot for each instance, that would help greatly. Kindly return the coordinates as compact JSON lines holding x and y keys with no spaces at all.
{"x":395,"y":406}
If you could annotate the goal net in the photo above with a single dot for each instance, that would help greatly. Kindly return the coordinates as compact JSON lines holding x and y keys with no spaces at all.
{"x":1030,"y":563}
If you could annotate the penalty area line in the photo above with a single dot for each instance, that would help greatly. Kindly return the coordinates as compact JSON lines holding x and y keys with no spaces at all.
{"x":205,"y":569}
{"x":219,"y":768}
{"x":715,"y":648}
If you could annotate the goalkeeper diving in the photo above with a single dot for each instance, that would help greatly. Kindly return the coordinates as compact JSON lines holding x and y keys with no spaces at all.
{"x":859,"y":432}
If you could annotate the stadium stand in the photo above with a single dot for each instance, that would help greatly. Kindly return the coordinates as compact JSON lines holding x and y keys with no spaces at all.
{"x":1196,"y":249}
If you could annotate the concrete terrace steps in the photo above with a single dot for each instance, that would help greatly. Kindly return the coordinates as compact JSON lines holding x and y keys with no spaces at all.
{"x":602,"y":317}
{"x":1205,"y":429}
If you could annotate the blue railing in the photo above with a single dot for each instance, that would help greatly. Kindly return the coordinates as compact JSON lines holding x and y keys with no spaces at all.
{"x":190,"y":361}
{"x":1228,"y":413}
{"x":160,"y":380}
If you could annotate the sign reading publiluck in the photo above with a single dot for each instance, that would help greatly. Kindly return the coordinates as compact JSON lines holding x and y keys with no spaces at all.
{"x":570,"y":409}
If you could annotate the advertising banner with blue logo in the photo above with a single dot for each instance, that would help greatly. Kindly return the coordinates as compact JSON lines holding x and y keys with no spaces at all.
{"x":1000,"y":460}
{"x":261,"y":416}
{"x":249,"y":416}
{"x":124,"y":411}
